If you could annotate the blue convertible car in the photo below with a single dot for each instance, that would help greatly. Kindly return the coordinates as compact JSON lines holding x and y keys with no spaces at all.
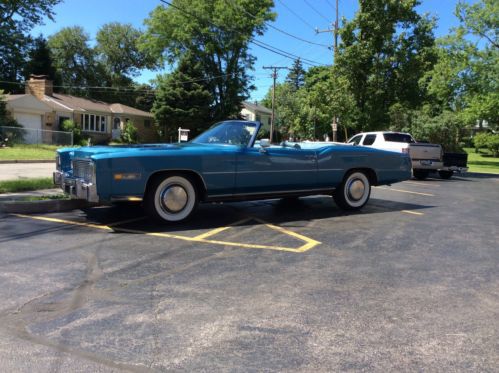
{"x":228,"y":162}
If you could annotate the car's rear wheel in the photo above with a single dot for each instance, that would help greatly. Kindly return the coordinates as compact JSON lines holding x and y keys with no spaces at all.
{"x":445,"y":174}
{"x":420,"y":174}
{"x":172,"y":198}
{"x":353,"y":192}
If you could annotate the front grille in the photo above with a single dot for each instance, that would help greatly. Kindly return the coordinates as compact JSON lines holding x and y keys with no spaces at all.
{"x":83,"y":169}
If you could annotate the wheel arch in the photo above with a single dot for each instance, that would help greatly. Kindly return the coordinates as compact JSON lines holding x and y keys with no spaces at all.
{"x":198,"y":180}
{"x":370,"y":173}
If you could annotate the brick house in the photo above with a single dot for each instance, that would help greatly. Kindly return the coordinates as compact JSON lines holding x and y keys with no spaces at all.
{"x":41,"y":108}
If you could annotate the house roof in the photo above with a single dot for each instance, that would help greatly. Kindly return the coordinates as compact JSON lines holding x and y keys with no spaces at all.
{"x":72,"y":103}
{"x":27,"y":103}
{"x":124,"y":109}
{"x":255,"y":107}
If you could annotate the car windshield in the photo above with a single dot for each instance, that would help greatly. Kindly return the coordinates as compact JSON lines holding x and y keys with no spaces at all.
{"x":230,"y":133}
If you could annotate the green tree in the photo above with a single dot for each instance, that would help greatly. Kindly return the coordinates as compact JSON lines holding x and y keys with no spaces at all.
{"x":17,"y":18}
{"x":384,"y":52}
{"x":74,"y":59}
{"x":296,"y":75}
{"x":40,"y":61}
{"x":217,"y":34}
{"x":183,"y":100}
{"x":117,"y":46}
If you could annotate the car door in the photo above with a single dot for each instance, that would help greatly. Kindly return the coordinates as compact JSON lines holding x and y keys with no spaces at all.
{"x":275,"y":169}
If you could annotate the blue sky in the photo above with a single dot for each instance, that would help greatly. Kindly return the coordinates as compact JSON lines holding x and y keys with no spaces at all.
{"x":297,"y":17}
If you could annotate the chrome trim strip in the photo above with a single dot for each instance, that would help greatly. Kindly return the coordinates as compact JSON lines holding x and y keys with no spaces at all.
{"x":127,"y":198}
{"x":270,"y":193}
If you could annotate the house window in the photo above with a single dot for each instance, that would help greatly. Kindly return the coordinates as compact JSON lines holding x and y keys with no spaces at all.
{"x":94,"y":123}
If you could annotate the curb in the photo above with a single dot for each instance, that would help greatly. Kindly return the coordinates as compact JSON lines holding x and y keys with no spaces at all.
{"x":35,"y":207}
{"x":27,"y":161}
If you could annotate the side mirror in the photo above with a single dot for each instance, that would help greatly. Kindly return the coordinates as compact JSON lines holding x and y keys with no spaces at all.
{"x":264,"y":143}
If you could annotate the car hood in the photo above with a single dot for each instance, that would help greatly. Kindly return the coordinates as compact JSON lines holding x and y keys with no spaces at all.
{"x":90,"y":151}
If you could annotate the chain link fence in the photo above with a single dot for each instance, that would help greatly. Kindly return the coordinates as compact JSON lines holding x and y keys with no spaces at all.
{"x":21,"y":135}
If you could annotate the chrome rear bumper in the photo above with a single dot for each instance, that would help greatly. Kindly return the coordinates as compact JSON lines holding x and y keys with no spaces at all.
{"x":76,"y":188}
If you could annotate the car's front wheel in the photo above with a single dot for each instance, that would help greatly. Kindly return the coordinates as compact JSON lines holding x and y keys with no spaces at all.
{"x":353,"y":192}
{"x":172,"y":198}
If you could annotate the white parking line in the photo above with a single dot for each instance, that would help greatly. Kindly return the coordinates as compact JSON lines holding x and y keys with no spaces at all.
{"x":407,"y":191}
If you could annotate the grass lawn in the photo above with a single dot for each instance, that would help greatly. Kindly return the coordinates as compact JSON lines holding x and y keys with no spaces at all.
{"x":481,"y":162}
{"x":13,"y":186}
{"x":28,"y":152}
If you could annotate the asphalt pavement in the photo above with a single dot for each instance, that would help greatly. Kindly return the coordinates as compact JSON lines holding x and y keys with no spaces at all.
{"x":410,"y":283}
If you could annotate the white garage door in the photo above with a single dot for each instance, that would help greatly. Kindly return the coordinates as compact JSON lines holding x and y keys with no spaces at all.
{"x":33,"y":125}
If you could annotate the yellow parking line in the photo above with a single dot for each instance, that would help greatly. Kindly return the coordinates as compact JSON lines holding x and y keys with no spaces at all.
{"x":55,"y":220}
{"x":310,"y":243}
{"x":221,"y":229}
{"x":413,"y":212}
{"x":407,"y":191}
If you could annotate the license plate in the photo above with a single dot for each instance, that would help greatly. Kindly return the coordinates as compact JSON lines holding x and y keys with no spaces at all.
{"x":426,"y":163}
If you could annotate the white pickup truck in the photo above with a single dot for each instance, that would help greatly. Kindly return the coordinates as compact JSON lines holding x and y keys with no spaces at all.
{"x":425,"y":157}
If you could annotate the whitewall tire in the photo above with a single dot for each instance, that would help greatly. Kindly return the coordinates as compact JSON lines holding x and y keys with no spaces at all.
{"x":171,"y":199}
{"x":353,"y":192}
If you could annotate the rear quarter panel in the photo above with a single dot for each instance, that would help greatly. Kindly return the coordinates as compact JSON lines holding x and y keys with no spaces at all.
{"x":336,"y":161}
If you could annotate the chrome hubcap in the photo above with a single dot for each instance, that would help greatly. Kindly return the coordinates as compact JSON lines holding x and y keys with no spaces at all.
{"x":174,"y":198}
{"x":356,"y":189}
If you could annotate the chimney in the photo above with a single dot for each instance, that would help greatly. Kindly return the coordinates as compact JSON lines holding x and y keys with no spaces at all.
{"x":39,"y":85}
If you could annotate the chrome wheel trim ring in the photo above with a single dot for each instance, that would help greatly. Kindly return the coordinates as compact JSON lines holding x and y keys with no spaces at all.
{"x":357,"y":189}
{"x":173,"y":198}
{"x":185,"y":211}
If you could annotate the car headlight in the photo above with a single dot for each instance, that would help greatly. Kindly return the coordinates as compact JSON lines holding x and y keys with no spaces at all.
{"x":92,"y":173}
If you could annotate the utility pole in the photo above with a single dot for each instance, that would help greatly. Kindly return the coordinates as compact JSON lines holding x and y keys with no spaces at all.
{"x":334,"y":30}
{"x":274,"y":76}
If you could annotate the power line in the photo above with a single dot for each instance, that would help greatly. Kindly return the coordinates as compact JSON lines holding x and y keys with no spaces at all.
{"x":274,"y":77}
{"x":315,"y":10}
{"x":259,"y":43}
{"x":278,"y":29}
{"x":285,"y":54}
{"x":296,"y":15}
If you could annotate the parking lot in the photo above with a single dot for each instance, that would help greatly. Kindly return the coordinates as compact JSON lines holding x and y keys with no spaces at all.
{"x":411,"y":282}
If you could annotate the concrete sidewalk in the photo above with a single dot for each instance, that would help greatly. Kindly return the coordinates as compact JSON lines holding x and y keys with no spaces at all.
{"x":16,"y":171}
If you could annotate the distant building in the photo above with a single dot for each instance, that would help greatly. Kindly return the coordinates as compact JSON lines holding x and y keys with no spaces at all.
{"x":256,"y":112}
{"x":41,"y":108}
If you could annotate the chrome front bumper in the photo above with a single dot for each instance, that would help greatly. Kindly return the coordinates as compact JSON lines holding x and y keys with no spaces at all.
{"x":76,"y":188}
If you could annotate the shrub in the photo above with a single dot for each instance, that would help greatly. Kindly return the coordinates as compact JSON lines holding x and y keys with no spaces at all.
{"x":480,"y":141}
{"x":69,"y":126}
{"x":9,"y":128}
{"x":129,"y":134}
{"x":489,"y":141}
{"x":492,"y":143}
